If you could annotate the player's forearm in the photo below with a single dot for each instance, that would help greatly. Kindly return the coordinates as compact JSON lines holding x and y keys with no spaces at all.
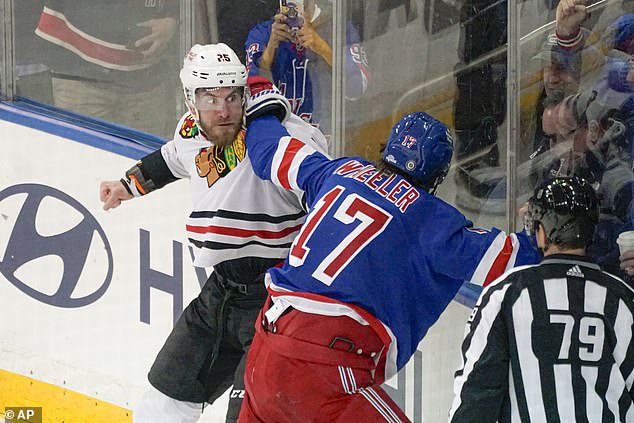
{"x":148,"y":174}
{"x":262,"y":139}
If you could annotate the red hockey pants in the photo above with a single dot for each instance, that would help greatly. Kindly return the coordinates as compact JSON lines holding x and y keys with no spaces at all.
{"x":314,"y":368}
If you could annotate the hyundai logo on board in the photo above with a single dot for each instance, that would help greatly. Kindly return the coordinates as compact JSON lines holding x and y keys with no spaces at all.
{"x":56,"y":251}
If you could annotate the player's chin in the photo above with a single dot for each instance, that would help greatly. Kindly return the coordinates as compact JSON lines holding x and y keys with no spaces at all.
{"x":225,"y":134}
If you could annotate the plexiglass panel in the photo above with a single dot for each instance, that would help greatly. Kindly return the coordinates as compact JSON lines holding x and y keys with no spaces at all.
{"x":113,"y":60}
{"x":447,"y":59}
{"x":577,"y":109}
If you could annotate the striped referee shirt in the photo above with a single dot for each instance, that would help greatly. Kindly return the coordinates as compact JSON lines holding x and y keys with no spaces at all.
{"x":549,"y":343}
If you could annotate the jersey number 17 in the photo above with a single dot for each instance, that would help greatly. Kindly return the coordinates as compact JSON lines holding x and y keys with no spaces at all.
{"x":373,"y":220}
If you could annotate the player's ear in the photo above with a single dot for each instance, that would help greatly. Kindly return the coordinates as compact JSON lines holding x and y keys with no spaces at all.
{"x":540,"y":235}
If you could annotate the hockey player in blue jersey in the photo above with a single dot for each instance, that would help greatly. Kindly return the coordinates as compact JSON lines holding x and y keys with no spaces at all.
{"x":374,"y":265}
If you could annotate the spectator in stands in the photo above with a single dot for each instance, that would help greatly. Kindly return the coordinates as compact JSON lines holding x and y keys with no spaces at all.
{"x":300,"y":61}
{"x":111,"y":60}
{"x":595,"y":136}
{"x":480,"y":105}
{"x":561,"y":73}
{"x":560,"y":58}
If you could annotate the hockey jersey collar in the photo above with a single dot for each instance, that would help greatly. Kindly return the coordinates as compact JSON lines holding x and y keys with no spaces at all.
{"x":570,"y":259}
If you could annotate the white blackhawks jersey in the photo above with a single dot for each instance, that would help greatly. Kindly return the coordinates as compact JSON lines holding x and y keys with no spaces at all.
{"x":235,"y":214}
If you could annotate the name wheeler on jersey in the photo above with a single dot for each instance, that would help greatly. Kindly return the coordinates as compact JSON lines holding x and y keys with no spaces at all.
{"x":235,"y":213}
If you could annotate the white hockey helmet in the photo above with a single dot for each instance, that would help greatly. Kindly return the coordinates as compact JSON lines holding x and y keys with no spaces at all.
{"x":211,"y":66}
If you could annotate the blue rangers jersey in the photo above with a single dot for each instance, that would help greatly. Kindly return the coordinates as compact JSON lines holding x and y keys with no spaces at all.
{"x":373,"y":246}
{"x":304,"y":77}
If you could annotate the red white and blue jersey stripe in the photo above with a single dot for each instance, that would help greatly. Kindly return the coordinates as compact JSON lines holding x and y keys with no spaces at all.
{"x":373,"y":246}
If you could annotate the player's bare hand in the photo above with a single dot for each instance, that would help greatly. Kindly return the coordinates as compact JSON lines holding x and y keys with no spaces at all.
{"x":280,"y":32}
{"x":112,"y":193}
{"x":309,"y":38}
{"x":570,"y":15}
{"x":627,"y":262}
{"x":157,"y":41}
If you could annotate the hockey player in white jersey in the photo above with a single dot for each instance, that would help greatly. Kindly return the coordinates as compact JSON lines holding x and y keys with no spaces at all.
{"x":240,"y":225}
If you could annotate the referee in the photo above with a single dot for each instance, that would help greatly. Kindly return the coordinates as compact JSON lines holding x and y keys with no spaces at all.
{"x":551,"y":342}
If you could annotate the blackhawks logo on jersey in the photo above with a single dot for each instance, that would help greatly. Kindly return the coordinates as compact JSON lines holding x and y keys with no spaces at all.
{"x":216,"y":162}
{"x":189,"y":129}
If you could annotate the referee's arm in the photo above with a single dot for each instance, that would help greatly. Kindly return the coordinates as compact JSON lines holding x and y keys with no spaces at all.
{"x":481,"y":384}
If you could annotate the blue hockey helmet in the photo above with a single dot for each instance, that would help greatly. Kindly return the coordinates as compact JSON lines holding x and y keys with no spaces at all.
{"x":420,"y":146}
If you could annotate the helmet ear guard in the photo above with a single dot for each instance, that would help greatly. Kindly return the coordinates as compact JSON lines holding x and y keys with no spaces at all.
{"x":421,"y":147}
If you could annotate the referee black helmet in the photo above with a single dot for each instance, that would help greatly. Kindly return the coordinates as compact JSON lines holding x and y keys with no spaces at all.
{"x":568,"y":209}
